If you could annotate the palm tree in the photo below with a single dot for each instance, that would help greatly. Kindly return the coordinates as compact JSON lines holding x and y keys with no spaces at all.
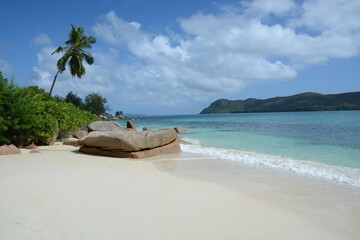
{"x":74,"y":54}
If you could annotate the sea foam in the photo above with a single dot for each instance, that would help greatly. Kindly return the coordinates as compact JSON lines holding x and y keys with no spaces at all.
{"x":340,"y":174}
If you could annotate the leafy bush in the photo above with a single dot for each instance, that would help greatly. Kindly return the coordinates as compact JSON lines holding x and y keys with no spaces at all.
{"x":27,"y":115}
{"x":16,"y":112}
{"x":53,"y":117}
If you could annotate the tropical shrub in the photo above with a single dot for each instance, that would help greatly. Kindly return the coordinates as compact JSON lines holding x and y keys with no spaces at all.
{"x":16,"y":112}
{"x":53,"y":117}
{"x":27,"y":115}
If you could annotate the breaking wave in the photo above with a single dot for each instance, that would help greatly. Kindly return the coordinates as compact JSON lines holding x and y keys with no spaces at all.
{"x":340,"y":174}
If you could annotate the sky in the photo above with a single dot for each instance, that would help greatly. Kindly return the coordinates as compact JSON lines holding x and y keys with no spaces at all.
{"x":165,"y":57}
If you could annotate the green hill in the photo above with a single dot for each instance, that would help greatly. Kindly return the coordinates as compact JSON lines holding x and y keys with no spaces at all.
{"x":300,"y":102}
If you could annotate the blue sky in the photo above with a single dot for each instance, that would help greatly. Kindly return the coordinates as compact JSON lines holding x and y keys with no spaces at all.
{"x":177,"y":56}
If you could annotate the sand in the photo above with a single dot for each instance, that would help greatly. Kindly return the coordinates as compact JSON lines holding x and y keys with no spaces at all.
{"x":62,"y":194}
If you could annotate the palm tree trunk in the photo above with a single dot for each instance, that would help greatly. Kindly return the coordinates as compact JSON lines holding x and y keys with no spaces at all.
{"x":52,"y":86}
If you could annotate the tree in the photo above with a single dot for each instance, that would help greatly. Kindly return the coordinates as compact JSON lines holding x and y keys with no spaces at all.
{"x":58,"y":98}
{"x":74,"y":99}
{"x":74,"y":53}
{"x":95,"y":104}
{"x":119,"y":113}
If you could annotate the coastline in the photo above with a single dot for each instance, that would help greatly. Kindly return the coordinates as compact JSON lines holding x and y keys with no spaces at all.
{"x":329,"y":202}
{"x":320,"y":144}
{"x":61,"y":194}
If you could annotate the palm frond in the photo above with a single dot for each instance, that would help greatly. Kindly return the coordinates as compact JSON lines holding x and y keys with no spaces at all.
{"x":87,"y":56}
{"x":82,"y":71}
{"x":72,"y":66}
{"x":71,"y":36}
{"x":76,"y":66}
{"x":87,"y":41}
{"x":61,"y":64}
{"x":92,"y":40}
{"x":75,"y":35}
{"x":83,"y":43}
{"x":60,"y":49}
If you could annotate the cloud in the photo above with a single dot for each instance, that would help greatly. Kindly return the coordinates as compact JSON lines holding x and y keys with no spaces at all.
{"x":340,"y":16}
{"x":211,"y":63}
{"x":6,"y":68}
{"x":215,"y":54}
{"x":41,"y":40}
{"x":264,"y":7}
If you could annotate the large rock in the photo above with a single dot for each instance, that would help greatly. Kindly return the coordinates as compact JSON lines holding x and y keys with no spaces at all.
{"x":105,"y":126}
{"x":182,"y":141}
{"x":80,"y":134}
{"x":9,"y":150}
{"x":71,"y":142}
{"x":172,"y":147}
{"x":129,"y":140}
{"x":146,"y":129}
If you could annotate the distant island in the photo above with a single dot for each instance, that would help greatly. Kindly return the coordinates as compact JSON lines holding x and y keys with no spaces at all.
{"x":300,"y":102}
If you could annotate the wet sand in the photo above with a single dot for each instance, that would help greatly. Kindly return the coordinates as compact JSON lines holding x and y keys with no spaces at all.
{"x":332,"y":204}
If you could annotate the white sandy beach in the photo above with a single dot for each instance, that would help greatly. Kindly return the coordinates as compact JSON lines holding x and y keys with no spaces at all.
{"x":61,"y":194}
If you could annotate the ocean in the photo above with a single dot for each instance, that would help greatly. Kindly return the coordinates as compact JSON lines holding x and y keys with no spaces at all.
{"x":321,"y":144}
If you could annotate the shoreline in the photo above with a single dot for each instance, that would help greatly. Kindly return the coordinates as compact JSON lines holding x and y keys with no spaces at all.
{"x":340,"y":174}
{"x":330,"y":202}
{"x":60,"y":193}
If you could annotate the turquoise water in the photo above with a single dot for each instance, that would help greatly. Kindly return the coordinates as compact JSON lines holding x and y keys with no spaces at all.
{"x":325,"y":138}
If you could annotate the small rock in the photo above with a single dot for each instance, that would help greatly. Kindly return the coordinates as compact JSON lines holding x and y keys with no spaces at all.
{"x":35,"y":151}
{"x":146,"y":129}
{"x":31,"y":146}
{"x":9,"y":150}
{"x":181,"y":130}
{"x":130,"y":124}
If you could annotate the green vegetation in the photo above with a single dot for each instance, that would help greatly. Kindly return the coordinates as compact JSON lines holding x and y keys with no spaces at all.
{"x":94,"y":102}
{"x":27,"y":115}
{"x":119,"y":113}
{"x":74,"y":99}
{"x":74,"y":53}
{"x":299,"y":102}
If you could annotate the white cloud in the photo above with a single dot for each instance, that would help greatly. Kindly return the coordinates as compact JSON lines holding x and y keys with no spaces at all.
{"x":215,"y":55}
{"x":41,"y":40}
{"x":209,"y":64}
{"x":263,"y":7}
{"x":6,"y":68}
{"x":341,"y":16}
